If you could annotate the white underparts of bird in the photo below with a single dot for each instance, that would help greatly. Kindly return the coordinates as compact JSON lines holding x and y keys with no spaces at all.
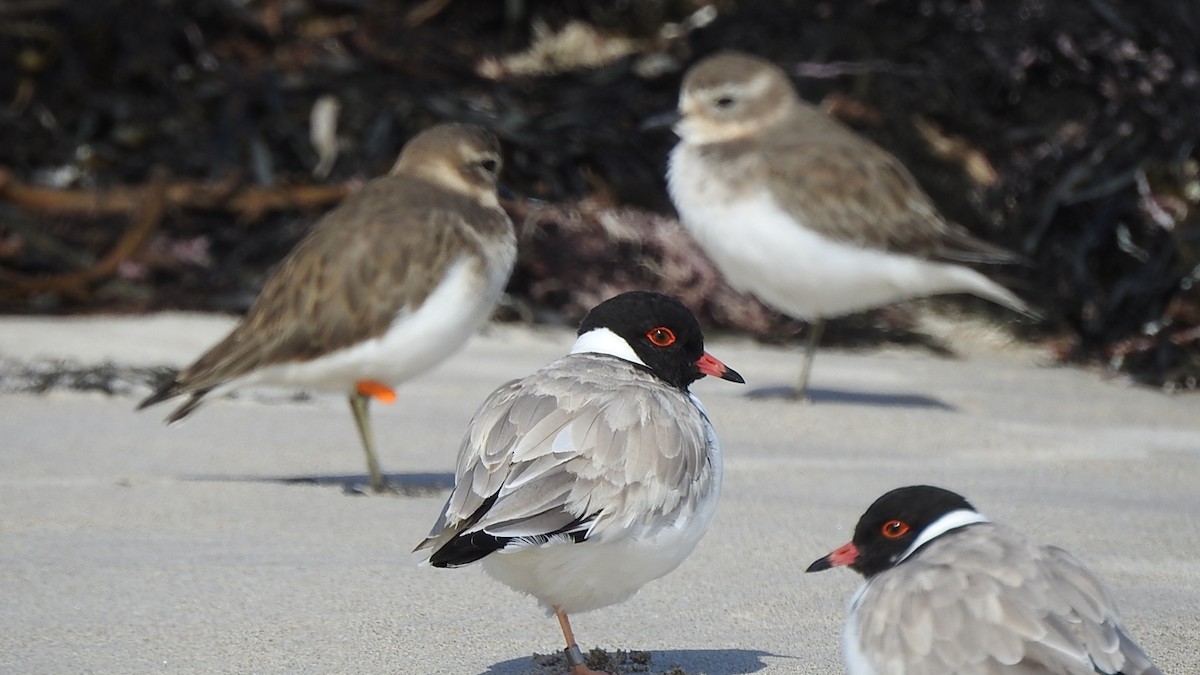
{"x":596,"y":474}
{"x":799,"y":211}
{"x":388,"y":284}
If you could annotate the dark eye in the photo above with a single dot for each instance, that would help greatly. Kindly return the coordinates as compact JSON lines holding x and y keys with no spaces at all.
{"x":725,"y":102}
{"x":489,"y":165}
{"x":894,"y":529}
{"x":661,"y":336}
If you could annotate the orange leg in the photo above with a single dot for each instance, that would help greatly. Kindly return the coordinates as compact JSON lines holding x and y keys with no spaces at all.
{"x":573,"y":654}
{"x":376,"y":390}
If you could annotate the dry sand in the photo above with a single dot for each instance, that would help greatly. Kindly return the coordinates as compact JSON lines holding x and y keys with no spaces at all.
{"x":130,"y":547}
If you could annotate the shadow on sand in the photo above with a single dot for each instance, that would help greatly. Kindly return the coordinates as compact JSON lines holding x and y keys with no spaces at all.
{"x":400,"y":484}
{"x":668,"y":662}
{"x":820,"y":396}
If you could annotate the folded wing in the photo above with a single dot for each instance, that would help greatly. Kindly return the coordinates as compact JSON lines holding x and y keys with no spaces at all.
{"x":590,"y":447}
{"x":990,"y":601}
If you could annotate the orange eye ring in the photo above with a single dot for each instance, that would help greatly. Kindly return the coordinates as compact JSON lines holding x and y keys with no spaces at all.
{"x":894,"y":529}
{"x":661,"y":336}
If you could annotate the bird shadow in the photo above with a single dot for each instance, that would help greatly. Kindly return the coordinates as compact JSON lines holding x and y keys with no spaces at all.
{"x":397,"y":484}
{"x":820,"y":396}
{"x":666,"y":662}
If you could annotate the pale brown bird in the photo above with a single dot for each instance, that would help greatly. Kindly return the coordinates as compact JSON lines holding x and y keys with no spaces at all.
{"x":802,"y":213}
{"x":388,"y":284}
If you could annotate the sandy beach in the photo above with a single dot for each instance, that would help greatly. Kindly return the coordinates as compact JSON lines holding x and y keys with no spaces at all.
{"x":229,"y":543}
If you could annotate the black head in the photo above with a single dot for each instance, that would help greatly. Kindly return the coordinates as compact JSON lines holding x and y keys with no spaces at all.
{"x":662,"y":332}
{"x":889,"y":527}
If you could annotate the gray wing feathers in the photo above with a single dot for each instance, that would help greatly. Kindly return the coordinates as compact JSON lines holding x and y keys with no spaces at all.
{"x":1136,"y":661}
{"x":987,"y":601}
{"x":583,"y":439}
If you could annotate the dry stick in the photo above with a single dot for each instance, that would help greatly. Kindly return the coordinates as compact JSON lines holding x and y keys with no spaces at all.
{"x":424,"y":12}
{"x":17,"y":8}
{"x":153,"y":205}
{"x":149,"y":202}
{"x":248,"y":202}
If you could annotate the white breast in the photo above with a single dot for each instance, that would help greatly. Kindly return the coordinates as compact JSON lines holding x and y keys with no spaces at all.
{"x":764,"y":251}
{"x":856,"y":661}
{"x":579,"y":577}
{"x":416,"y":341}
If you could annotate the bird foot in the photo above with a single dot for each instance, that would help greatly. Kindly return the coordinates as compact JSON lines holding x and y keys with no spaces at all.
{"x":799,"y":396}
{"x":578,"y":667}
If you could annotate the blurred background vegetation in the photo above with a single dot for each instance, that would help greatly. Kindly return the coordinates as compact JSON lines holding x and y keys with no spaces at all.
{"x":163,"y":154}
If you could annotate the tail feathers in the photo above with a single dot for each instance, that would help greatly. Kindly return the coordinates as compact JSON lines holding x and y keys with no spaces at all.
{"x":964,"y":279}
{"x":1002,"y":296}
{"x":1136,"y":661}
{"x":958,"y":245}
{"x":169,"y":391}
{"x":982,"y":254}
{"x":188,"y":406}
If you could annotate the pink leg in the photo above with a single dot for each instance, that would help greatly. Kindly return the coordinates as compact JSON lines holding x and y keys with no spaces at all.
{"x":573,"y":654}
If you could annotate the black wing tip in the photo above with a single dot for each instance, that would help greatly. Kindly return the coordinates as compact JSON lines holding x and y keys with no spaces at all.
{"x":466,"y":549}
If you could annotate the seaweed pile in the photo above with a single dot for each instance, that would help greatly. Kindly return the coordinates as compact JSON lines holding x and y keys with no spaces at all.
{"x":165,"y":154}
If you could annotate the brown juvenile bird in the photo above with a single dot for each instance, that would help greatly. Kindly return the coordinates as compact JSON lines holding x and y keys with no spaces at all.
{"x":804,"y":214}
{"x":387,"y":285}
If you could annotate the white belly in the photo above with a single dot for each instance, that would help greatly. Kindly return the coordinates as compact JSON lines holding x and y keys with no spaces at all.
{"x":594,"y":574}
{"x":604,"y":571}
{"x":416,"y":341}
{"x":762,"y":251}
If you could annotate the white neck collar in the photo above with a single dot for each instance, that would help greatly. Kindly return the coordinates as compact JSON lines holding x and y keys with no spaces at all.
{"x":950,"y":521}
{"x":604,"y":341}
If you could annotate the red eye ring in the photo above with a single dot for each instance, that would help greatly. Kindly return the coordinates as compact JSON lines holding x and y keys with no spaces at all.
{"x":894,"y":529}
{"x":661,"y":336}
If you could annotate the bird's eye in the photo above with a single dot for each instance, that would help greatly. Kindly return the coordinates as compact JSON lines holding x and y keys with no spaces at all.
{"x":489,"y":165}
{"x":661,"y":336}
{"x":894,"y":529}
{"x":725,"y":102}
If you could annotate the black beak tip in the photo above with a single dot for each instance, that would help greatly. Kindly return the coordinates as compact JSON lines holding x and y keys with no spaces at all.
{"x":819,"y":565}
{"x":660,"y":121}
{"x":733,"y":376}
